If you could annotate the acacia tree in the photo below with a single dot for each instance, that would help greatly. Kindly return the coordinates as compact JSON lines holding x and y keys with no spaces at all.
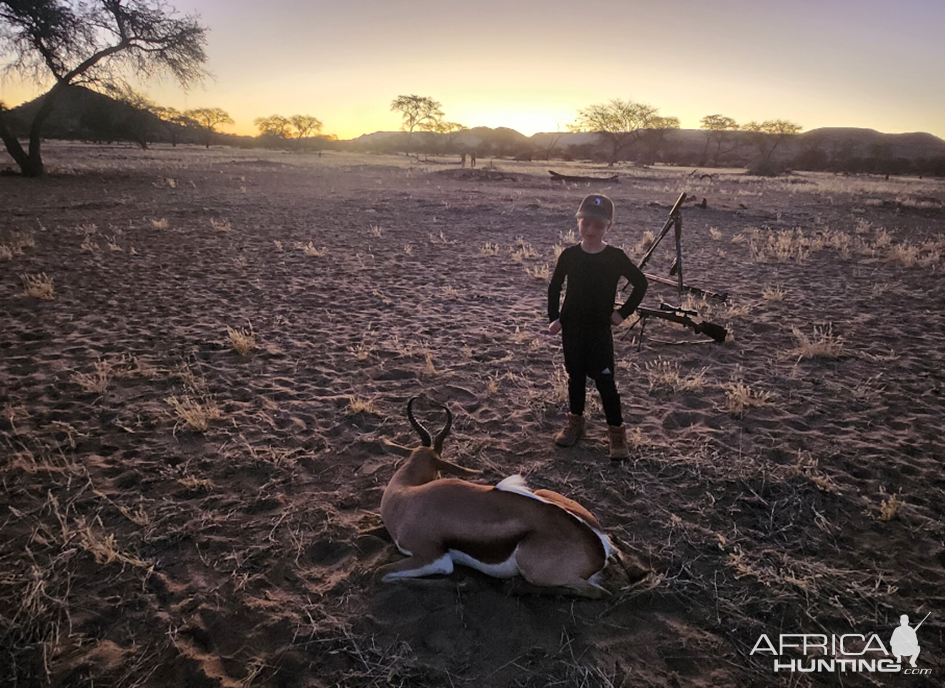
{"x":92,"y":43}
{"x":305,"y":126}
{"x":621,"y":123}
{"x":298,"y":127}
{"x":767,"y":136}
{"x":207,"y":120}
{"x":274,"y":125}
{"x":175,"y":119}
{"x":448,"y":132}
{"x":653,"y":136}
{"x":141,"y":111}
{"x":418,"y":112}
{"x":715,"y":127}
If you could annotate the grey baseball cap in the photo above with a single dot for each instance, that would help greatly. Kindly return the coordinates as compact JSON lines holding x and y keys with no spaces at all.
{"x":597,"y":206}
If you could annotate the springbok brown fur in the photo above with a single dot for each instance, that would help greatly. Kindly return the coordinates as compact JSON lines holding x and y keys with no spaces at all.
{"x":503,"y":531}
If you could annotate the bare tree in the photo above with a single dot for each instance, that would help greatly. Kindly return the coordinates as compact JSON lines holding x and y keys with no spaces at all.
{"x":418,"y":112}
{"x":92,"y":43}
{"x":620,"y":122}
{"x":767,"y":136}
{"x":715,"y":127}
{"x":207,"y":120}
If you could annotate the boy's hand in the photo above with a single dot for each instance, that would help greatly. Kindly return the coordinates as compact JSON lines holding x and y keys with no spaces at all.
{"x":554,"y":327}
{"x":616,"y":319}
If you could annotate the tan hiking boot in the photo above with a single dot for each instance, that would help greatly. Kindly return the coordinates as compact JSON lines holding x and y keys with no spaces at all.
{"x":618,"y":442}
{"x":572,"y":432}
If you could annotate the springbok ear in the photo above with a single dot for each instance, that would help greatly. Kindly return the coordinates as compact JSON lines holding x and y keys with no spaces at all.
{"x":395,"y":449}
{"x":453,"y":469}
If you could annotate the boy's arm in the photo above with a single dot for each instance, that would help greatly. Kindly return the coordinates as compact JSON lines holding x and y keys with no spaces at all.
{"x":638,"y":281}
{"x":554,"y":289}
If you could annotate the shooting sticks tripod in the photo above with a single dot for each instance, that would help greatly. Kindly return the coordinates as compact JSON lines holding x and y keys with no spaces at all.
{"x":675,"y":222}
{"x":675,"y":313}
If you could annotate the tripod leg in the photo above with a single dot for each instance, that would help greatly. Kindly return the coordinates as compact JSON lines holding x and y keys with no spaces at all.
{"x":678,"y":264}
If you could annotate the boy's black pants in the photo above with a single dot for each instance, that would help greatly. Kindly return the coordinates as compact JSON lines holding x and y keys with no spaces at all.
{"x":589,"y":353}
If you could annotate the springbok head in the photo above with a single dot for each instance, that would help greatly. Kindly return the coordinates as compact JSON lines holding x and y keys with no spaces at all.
{"x":425,"y":462}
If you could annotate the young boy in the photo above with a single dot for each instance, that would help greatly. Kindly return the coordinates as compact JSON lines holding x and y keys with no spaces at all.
{"x":592,"y":269}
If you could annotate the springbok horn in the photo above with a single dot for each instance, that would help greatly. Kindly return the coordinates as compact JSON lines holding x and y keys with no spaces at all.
{"x":422,"y":431}
{"x":441,"y":435}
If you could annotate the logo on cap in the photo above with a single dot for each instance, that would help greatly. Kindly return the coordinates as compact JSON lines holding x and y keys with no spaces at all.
{"x":597,"y":200}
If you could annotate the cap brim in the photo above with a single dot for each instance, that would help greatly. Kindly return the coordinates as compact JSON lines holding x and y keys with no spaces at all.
{"x":594,"y":216}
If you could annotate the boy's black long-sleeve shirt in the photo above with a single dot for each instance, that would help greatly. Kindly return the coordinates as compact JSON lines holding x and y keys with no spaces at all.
{"x":592,"y":286}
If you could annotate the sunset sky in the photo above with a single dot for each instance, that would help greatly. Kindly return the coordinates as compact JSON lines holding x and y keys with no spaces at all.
{"x":530,"y":65}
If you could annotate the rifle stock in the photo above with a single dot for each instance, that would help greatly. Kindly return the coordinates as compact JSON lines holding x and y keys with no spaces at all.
{"x":714,"y":331}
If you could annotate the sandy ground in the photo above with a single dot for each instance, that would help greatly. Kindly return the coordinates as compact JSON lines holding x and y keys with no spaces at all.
{"x":787,"y":481}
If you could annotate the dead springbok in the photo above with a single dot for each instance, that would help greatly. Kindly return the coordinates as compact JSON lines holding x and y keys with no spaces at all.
{"x":503,"y":531}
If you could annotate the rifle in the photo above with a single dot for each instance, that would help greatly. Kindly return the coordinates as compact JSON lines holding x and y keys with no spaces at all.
{"x":681,"y":316}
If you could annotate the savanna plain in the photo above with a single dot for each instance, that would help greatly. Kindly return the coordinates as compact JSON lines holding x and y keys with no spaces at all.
{"x":203,"y":352}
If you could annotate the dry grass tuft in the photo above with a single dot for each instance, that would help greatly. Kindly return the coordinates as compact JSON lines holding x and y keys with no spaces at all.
{"x":789,"y":245}
{"x":160,"y":223}
{"x":195,"y":484}
{"x":15,"y":242}
{"x":809,"y":467}
{"x":312,"y":252}
{"x":221,"y":225}
{"x":357,"y":405}
{"x":539,"y":272}
{"x":97,"y":382}
{"x":641,"y":247}
{"x":89,"y":245}
{"x":104,"y":547}
{"x":194,"y":414}
{"x":570,"y":237}
{"x":429,"y":368}
{"x":38,"y":286}
{"x":242,"y":340}
{"x":662,"y":373}
{"x":890,"y":508}
{"x":362,"y":351}
{"x":739,"y":397}
{"x":522,"y":251}
{"x":822,"y":344}
{"x":488,"y":249}
{"x":773,"y":293}
{"x":868,"y":390}
{"x":6,"y":253}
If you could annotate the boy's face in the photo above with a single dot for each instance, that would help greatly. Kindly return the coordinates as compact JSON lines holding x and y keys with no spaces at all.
{"x":592,"y":229}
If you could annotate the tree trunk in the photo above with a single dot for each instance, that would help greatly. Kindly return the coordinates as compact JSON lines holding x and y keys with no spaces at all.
{"x":31,"y":163}
{"x":35,"y":166}
{"x":13,"y":145}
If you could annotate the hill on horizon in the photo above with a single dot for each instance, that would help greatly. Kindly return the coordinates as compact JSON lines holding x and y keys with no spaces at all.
{"x":83,"y":114}
{"x":87,"y":115}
